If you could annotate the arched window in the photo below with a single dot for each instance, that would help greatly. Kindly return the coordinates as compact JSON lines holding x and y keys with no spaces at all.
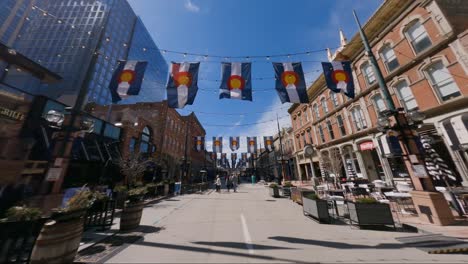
{"x":330,"y":130}
{"x":145,"y":141}
{"x":406,"y":95}
{"x":379,"y":103}
{"x":316,"y":111}
{"x":389,"y":58}
{"x":334,"y":99}
{"x":442,"y":82}
{"x":418,"y":37}
{"x":358,"y":118}
{"x":368,"y":73}
{"x":322,"y":135}
{"x":323,"y":102}
{"x":341,"y":126}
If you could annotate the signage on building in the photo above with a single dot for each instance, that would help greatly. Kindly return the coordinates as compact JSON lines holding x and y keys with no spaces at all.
{"x":366,"y":146}
{"x":8,"y":113}
{"x":53,"y":174}
{"x":419,"y":171}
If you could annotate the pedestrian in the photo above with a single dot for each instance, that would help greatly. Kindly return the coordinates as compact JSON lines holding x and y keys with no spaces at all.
{"x":253,"y":179}
{"x":228,"y":183}
{"x":218,"y":183}
{"x":234,"y":182}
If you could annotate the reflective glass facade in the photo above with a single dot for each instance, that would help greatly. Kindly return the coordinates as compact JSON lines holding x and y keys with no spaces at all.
{"x":13,"y":13}
{"x":143,"y":48}
{"x":65,"y":38}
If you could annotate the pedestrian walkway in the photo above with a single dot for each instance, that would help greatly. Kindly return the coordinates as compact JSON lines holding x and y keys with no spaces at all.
{"x":250,"y":226}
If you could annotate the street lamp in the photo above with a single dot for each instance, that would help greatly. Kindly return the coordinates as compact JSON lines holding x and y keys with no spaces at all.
{"x":55,"y":118}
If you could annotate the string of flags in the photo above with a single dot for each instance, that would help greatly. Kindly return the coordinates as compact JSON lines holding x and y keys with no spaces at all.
{"x":236,"y":82}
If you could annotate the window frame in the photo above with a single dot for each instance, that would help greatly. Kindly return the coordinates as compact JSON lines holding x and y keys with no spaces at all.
{"x":365,"y":74}
{"x":411,"y":40}
{"x":335,"y":100}
{"x":384,"y":59}
{"x":362,"y":121}
{"x":323,"y":102}
{"x":330,"y":130}
{"x":400,"y":95}
{"x":435,"y":86}
{"x":341,"y":125}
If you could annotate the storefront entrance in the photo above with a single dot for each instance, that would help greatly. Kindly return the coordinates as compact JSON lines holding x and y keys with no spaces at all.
{"x":371,"y":161}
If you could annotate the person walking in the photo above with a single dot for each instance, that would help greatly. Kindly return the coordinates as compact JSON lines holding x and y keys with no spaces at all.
{"x":253,"y":179}
{"x":234,"y":182}
{"x":228,"y":183}
{"x":218,"y":183}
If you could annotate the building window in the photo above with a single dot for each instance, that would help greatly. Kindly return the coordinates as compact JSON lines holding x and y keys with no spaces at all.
{"x":368,"y":73}
{"x":145,"y":143}
{"x":418,"y":37}
{"x":379,"y":103}
{"x":322,"y":135}
{"x":358,"y":119}
{"x":300,"y":119}
{"x":334,"y":99}
{"x":324,"y":105}
{"x":304,"y":140}
{"x":330,"y":130}
{"x":316,"y":111}
{"x":341,"y":125}
{"x":442,"y":81}
{"x":310,"y":137}
{"x":295,"y":123}
{"x":406,"y":96}
{"x":306,"y":116}
{"x":389,"y":58}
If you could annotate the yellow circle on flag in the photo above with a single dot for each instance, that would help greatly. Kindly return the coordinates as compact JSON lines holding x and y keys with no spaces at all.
{"x":290,"y":79}
{"x":236,"y":83}
{"x":183,"y":80}
{"x":340,"y":76}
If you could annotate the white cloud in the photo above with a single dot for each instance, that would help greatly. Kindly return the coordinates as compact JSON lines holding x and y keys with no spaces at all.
{"x":190,"y":6}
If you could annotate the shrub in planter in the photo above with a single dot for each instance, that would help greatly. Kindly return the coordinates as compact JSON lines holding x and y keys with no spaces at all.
{"x":18,"y":233}
{"x":60,"y":238}
{"x":160,"y":188}
{"x":274,"y":190}
{"x":368,"y":211}
{"x":152,"y":189}
{"x":131,"y":214}
{"x":316,"y":208}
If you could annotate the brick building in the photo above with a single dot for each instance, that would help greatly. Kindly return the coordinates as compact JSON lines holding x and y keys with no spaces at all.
{"x":422,"y":49}
{"x":158,"y":131}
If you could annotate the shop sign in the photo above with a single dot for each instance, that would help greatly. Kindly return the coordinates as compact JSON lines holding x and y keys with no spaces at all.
{"x":419,"y":171}
{"x":8,"y":113}
{"x":366,"y":146}
{"x":54,"y":174}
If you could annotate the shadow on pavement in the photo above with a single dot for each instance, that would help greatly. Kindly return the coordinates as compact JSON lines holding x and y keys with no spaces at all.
{"x":213,"y":251}
{"x":237,"y":245}
{"x":341,"y":245}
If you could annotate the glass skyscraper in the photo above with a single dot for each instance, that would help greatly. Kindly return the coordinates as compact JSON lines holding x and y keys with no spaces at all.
{"x":13,"y":14}
{"x":83,"y":40}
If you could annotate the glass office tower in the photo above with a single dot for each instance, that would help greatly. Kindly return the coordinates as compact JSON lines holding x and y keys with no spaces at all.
{"x":82,"y":41}
{"x":13,"y":14}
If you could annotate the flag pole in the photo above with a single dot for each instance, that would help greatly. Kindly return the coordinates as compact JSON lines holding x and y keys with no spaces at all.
{"x":283,"y":174}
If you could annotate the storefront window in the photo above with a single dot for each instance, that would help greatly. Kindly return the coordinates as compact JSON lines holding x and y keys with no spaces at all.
{"x":145,"y":140}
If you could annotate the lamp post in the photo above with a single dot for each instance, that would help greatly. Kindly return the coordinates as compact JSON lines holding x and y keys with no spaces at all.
{"x":430,"y":205}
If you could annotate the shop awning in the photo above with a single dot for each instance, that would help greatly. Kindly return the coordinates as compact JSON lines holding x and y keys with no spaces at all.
{"x":455,"y":130}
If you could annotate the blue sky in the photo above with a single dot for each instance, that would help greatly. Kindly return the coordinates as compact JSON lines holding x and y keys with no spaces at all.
{"x":248,"y":28}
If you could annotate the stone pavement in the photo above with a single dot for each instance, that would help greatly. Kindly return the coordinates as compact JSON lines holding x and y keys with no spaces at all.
{"x":251,"y":227}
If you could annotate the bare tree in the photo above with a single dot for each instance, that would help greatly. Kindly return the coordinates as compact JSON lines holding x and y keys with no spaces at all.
{"x":332,"y":163}
{"x":133,"y":167}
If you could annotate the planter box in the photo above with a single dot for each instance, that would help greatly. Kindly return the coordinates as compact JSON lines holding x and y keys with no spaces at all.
{"x":160,"y":190}
{"x":317,"y":209}
{"x":17,"y":240}
{"x":370,"y":214}
{"x":131,"y":216}
{"x":274,"y":192}
{"x":297,"y":194}
{"x":166,"y":189}
{"x":286,"y":191}
{"x":59,"y":239}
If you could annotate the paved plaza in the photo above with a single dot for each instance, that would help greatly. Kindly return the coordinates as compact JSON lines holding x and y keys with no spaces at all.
{"x":251,"y":227}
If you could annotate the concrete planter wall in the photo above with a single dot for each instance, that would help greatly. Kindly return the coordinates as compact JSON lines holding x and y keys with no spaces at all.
{"x":370,"y":214}
{"x":286,"y":191}
{"x":274,"y":192}
{"x":317,"y":209}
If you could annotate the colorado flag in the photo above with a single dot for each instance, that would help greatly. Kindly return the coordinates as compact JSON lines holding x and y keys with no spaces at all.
{"x":127,"y":79}
{"x":182,"y":86}
{"x":217,"y":144}
{"x":234,"y":143}
{"x":252,"y":144}
{"x":236,"y":81}
{"x":199,"y":143}
{"x":290,"y":82}
{"x":339,"y":77}
{"x":268,"y":143}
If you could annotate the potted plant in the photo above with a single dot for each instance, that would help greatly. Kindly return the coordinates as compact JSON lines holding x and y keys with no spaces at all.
{"x":160,"y":188}
{"x":316,"y":208}
{"x":368,"y":211}
{"x":133,"y":210}
{"x":152,"y":189}
{"x":18,"y":232}
{"x":287,"y":188}
{"x":60,"y":237}
{"x":297,"y":194}
{"x":274,"y":190}
{"x":120,"y":194}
